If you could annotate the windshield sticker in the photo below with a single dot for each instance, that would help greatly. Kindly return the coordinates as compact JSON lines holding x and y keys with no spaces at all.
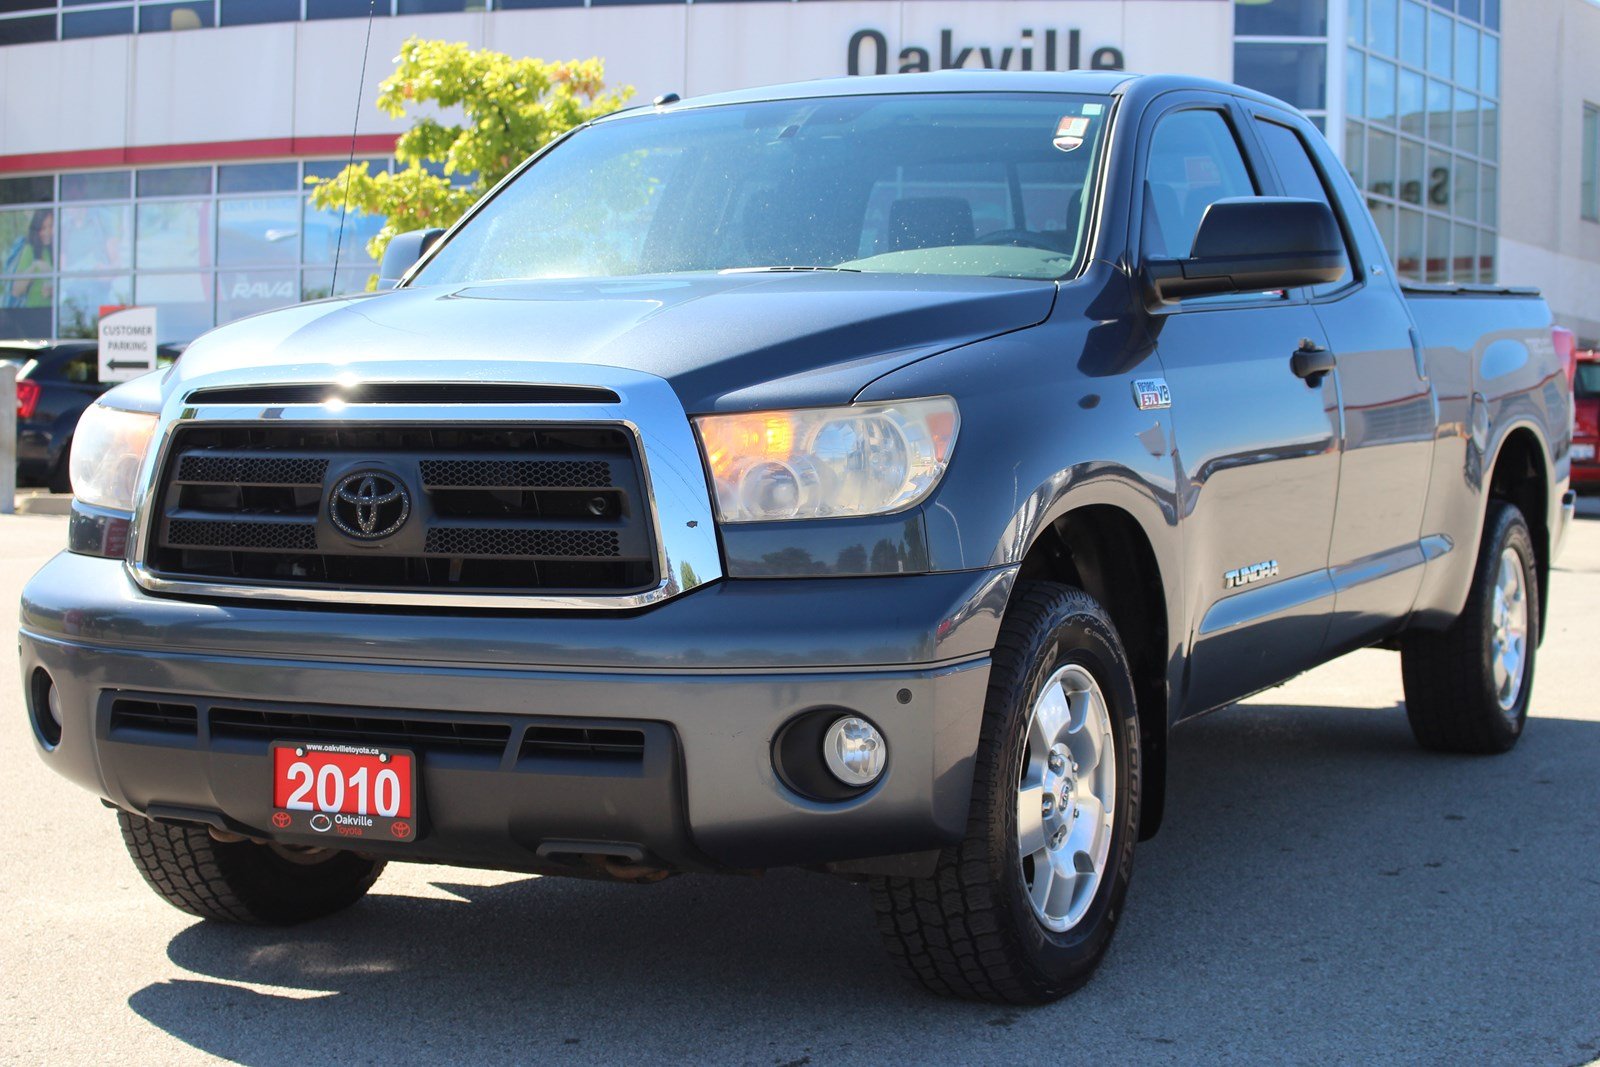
{"x":1070,"y":132}
{"x":1093,"y":109}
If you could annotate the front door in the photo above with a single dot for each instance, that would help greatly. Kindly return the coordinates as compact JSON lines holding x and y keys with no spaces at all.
{"x":1257,"y":446}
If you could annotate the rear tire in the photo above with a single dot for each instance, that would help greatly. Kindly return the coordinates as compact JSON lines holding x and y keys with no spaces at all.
{"x":243,"y":882}
{"x":985,"y":926}
{"x":1467,"y":687}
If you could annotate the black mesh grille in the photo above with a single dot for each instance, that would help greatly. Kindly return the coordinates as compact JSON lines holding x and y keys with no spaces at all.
{"x":490,"y":508}
{"x":515,"y":474}
{"x":522,"y":544}
{"x":251,"y":470}
{"x":219,"y":533}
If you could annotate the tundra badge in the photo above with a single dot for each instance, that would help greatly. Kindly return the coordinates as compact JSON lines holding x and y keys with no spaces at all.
{"x":1253,"y":573}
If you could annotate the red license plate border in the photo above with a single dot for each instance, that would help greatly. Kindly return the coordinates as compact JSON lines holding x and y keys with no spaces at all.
{"x":332,"y":829}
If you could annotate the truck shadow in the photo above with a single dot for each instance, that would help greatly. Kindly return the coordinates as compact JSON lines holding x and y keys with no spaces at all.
{"x":1321,"y":891}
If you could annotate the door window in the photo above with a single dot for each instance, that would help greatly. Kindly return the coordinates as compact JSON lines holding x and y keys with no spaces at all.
{"x":1301,"y":179}
{"x":1194,"y":162}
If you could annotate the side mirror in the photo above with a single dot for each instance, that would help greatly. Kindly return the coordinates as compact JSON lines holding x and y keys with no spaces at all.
{"x":402,"y":254}
{"x":1253,"y":245}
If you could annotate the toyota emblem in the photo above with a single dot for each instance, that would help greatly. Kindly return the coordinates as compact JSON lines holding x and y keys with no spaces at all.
{"x":369,"y":505}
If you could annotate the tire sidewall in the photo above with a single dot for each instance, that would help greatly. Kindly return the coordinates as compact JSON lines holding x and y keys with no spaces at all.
{"x":1071,"y":635}
{"x":1510,"y":530}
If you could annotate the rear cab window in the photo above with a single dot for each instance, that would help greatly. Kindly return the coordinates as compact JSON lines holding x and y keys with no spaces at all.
{"x":1300,"y":178}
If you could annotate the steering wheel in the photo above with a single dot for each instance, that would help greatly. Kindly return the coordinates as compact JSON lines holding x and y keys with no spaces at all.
{"x":1020,"y":239}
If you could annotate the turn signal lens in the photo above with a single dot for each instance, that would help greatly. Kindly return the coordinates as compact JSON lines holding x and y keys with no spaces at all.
{"x":814,"y":463}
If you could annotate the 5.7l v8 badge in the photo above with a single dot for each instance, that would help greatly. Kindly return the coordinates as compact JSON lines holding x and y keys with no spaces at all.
{"x":1151,"y":394}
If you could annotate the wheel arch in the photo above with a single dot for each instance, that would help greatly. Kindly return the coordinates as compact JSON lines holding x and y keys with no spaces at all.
{"x":1103,"y":549}
{"x":1520,"y":475}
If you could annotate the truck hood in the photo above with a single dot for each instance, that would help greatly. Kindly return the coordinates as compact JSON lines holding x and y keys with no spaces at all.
{"x":723,"y":341}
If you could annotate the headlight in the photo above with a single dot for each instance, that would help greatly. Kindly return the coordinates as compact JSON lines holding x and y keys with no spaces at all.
{"x":108,"y":449}
{"x":815,"y":463}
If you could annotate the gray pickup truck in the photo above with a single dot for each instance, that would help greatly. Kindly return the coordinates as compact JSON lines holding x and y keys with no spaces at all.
{"x":862,"y":475}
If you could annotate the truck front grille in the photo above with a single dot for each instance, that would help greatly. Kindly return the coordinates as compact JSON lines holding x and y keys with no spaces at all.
{"x":498,"y":509}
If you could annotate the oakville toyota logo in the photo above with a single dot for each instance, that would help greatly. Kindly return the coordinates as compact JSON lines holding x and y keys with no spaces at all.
{"x":369,"y":505}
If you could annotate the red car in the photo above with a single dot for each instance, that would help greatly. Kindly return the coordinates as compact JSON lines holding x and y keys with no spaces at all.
{"x":1586,"y":424}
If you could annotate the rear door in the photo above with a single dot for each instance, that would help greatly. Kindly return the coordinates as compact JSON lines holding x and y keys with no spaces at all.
{"x":1375,"y":560}
{"x":1258,"y":448}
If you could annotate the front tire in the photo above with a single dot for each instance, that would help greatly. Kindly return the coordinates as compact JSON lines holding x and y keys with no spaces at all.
{"x":241,"y":881}
{"x":1467,"y":687}
{"x":1023,"y":909}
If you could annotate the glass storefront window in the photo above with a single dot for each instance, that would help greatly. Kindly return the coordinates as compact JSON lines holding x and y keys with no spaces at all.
{"x":1413,"y":103}
{"x":1489,"y":73}
{"x":96,"y":237}
{"x":1466,"y":122}
{"x":1408,"y":245}
{"x":27,"y":267}
{"x":1441,"y":39}
{"x":1380,"y":163}
{"x":251,"y":12}
{"x":174,"y":181}
{"x":1279,"y":18}
{"x":1440,"y":195}
{"x":258,"y":230}
{"x":184,"y":301}
{"x":1489,"y":196}
{"x":102,"y":185}
{"x":1355,"y":82}
{"x":1380,"y":90}
{"x":83,"y":297}
{"x":1466,"y":55}
{"x":174,"y":233}
{"x":1297,"y":73}
{"x":1441,"y":124}
{"x":1355,"y":152}
{"x":27,"y":190}
{"x":1466,"y":189}
{"x":1437,"y":267}
{"x":108,"y":22}
{"x":1381,"y":18}
{"x":322,"y":237}
{"x":241,"y":293}
{"x":1413,"y":178}
{"x":156,"y":18}
{"x":1414,"y":34}
{"x":1464,"y":254}
{"x":257,"y":177}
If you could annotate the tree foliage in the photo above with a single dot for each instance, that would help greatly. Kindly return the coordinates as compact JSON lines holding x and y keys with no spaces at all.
{"x":496,"y":112}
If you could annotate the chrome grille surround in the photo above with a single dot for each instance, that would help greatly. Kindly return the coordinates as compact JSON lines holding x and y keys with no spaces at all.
{"x":675,"y":487}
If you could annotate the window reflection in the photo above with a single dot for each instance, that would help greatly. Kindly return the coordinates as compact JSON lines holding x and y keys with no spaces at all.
{"x":258,"y":230}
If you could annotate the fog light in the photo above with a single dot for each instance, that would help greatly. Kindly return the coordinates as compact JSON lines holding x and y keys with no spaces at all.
{"x":855,"y":751}
{"x":45,"y":704}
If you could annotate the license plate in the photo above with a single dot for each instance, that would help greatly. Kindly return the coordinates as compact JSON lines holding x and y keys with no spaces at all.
{"x":343,"y":790}
{"x":1583,"y":453}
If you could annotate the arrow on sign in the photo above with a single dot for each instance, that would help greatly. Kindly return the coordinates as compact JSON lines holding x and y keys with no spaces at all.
{"x":128,"y":364}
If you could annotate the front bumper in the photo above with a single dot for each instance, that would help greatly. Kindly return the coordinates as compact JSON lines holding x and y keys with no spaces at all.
{"x":708,"y":679}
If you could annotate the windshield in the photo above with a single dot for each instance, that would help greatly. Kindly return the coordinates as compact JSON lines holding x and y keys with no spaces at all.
{"x":1587,"y":383}
{"x":961,"y":183}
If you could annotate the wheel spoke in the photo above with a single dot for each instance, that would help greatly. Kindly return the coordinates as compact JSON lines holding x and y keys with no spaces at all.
{"x":1050,"y":716}
{"x":1062,"y":885}
{"x":1087,"y":829}
{"x":1030,"y":821}
{"x":1044,"y":876}
{"x":1085,"y":740}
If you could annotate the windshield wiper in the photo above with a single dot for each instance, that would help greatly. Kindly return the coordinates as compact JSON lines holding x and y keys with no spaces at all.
{"x":781,"y":269}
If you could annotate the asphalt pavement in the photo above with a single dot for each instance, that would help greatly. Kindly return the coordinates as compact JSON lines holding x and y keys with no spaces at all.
{"x":1322,"y":891}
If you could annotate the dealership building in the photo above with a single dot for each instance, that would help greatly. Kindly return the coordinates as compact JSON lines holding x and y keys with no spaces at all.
{"x":155,"y":152}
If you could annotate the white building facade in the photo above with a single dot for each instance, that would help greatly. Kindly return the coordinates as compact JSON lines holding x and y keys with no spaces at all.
{"x":155,"y":153}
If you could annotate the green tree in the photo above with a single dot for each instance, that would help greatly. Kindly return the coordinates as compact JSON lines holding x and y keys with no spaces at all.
{"x":507,"y":110}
